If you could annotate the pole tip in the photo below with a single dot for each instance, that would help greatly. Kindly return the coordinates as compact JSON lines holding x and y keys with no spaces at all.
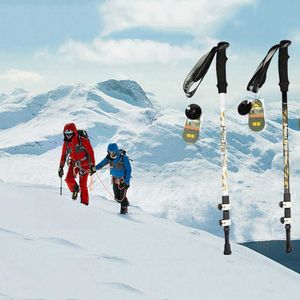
{"x":227,"y":249}
{"x":288,"y":249}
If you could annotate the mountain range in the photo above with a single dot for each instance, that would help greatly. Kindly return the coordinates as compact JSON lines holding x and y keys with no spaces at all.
{"x":170,"y":178}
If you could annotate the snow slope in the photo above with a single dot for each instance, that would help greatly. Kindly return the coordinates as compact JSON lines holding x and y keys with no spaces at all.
{"x":170,"y":179}
{"x":55,"y":248}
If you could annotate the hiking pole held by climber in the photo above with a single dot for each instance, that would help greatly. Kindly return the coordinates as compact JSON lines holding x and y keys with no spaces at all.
{"x":81,"y":161}
{"x":60,"y":188}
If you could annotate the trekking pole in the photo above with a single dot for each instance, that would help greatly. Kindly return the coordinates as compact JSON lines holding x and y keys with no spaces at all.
{"x":190,"y":85}
{"x":222,"y":89}
{"x":284,"y":84}
{"x":254,"y":84}
{"x":60,"y":189}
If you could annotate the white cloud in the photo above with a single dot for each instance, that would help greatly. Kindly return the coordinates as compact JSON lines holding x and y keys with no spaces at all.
{"x":20,"y":75}
{"x":159,"y":66}
{"x":198,"y":17}
{"x":42,"y":54}
{"x":125,"y":52}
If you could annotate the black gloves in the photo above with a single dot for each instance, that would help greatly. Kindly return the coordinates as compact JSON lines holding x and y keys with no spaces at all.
{"x":126,"y":186}
{"x":60,"y":172}
{"x":93,"y":170}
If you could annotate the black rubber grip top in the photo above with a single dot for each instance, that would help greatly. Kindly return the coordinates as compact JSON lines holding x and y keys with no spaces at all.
{"x":283,"y":65}
{"x":221,"y":67}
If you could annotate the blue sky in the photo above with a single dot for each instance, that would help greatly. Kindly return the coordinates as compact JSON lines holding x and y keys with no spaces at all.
{"x":30,"y":25}
{"x":44,"y":44}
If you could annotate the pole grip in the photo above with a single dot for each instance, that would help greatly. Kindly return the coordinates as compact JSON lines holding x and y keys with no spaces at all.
{"x":283,"y":65}
{"x":221,"y":67}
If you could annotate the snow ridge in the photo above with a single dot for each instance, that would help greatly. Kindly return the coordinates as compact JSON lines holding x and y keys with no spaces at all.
{"x":56,"y":248}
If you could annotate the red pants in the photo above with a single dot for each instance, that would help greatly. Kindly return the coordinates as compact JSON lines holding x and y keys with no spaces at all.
{"x":71,"y":182}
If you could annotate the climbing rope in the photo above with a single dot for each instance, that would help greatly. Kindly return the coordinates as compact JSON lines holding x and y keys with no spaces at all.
{"x":108,"y":191}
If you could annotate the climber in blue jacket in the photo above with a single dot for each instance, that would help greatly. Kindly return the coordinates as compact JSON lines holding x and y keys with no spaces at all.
{"x":120,"y":170}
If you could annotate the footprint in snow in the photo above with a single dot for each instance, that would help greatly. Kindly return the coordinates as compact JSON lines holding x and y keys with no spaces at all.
{"x":2,"y":230}
{"x":112,"y":258}
{"x":62,"y":242}
{"x":122,"y":286}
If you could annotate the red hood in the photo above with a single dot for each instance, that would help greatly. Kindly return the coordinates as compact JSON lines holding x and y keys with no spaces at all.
{"x":71,"y":126}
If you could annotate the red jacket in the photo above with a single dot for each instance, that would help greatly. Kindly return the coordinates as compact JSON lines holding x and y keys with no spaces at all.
{"x":78,"y":150}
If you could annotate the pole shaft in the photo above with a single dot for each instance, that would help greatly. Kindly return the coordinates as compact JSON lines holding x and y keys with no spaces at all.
{"x":284,"y":85}
{"x":285,"y":143}
{"x":60,"y":189}
{"x":222,"y":89}
{"x":223,"y":146}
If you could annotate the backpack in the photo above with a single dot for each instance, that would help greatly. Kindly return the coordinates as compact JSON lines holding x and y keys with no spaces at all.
{"x":82,"y":134}
{"x":122,"y":153}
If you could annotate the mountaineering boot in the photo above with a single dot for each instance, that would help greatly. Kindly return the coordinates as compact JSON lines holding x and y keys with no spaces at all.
{"x":124,"y":210}
{"x":124,"y":206}
{"x":75,"y":192}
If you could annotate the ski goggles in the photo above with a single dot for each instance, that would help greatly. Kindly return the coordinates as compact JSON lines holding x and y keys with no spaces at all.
{"x":112,"y":154}
{"x":69,"y":133}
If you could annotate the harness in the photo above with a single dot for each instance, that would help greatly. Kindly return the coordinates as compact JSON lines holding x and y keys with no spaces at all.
{"x":125,"y":192}
{"x":77,"y":164}
{"x":120,"y":182}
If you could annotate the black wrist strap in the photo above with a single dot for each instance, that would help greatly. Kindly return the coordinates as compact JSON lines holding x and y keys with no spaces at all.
{"x":198,"y":72}
{"x":260,"y":74}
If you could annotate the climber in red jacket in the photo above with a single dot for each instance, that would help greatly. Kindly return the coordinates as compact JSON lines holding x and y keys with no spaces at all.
{"x":77,"y":148}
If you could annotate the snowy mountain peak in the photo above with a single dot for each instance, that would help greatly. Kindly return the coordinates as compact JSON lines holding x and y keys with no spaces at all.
{"x":60,"y":92}
{"x":18,"y":92}
{"x":125,"y":90}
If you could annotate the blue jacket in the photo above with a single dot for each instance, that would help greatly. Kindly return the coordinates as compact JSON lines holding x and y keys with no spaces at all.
{"x":119,"y":167}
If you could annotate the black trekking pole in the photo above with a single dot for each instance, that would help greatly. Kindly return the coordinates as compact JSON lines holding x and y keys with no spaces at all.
{"x":193,"y":113}
{"x":284,"y":85}
{"x":60,"y":189}
{"x":246,"y":107}
{"x":222,"y":89}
